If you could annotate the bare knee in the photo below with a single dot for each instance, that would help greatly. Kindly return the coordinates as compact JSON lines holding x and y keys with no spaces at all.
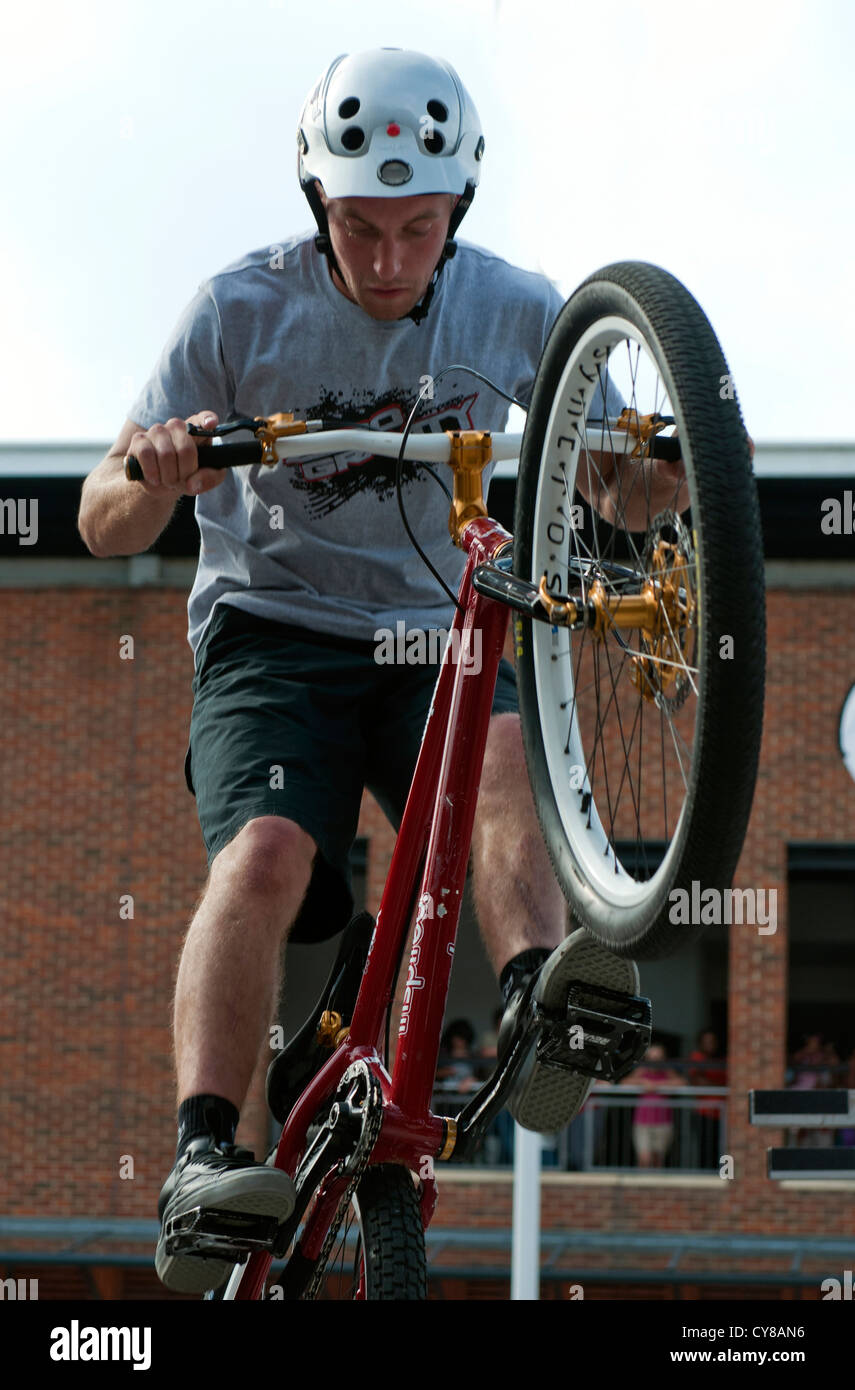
{"x":270,"y":858}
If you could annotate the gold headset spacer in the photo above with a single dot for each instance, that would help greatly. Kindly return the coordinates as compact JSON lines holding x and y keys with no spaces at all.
{"x":449,"y":1141}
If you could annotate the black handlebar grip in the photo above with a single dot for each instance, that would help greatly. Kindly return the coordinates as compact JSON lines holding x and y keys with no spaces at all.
{"x":666,"y":447}
{"x":221,"y":456}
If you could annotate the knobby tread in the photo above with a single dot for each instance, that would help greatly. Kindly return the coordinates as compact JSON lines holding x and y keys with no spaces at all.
{"x":388,"y":1217}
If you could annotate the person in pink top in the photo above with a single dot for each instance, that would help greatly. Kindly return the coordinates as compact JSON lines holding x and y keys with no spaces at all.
{"x":652,"y":1119}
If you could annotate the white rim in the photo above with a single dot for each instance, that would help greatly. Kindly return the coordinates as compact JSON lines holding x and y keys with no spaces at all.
{"x":551,"y":646}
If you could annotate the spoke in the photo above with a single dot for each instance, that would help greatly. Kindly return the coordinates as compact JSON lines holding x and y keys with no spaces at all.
{"x":626,"y":748}
{"x":664,"y":769}
{"x":633,"y":405}
{"x":577,"y":540}
{"x":675,"y":665}
{"x":600,"y":721}
{"x":626,"y":773}
{"x":676,"y":739}
{"x":641,"y":849}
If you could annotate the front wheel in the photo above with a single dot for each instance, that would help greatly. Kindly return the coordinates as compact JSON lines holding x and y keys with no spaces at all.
{"x":378,"y":1252}
{"x":642,"y":700}
{"x":380,"y":1249}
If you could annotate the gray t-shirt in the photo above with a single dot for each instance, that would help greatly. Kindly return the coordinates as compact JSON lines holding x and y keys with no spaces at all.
{"x":271,"y":332}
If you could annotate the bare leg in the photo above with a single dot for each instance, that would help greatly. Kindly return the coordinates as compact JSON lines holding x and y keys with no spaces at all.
{"x":229,"y":975}
{"x":517,"y":898}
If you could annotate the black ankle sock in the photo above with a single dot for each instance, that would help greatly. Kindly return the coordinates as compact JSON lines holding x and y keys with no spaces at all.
{"x":199,"y":1115}
{"x":517,"y":970}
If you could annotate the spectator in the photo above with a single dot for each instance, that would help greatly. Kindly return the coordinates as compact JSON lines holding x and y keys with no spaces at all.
{"x":706,"y":1120}
{"x":652,"y":1120}
{"x":456,"y":1071}
{"x":814,"y":1065}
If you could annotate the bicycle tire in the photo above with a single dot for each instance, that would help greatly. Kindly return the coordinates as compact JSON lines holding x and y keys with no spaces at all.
{"x":388,"y":1261}
{"x":708,"y":694}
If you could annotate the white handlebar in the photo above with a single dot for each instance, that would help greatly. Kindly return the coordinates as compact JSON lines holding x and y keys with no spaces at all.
{"x":424,"y":448}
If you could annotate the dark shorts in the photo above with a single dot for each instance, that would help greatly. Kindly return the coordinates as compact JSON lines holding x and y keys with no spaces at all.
{"x":268,"y":696}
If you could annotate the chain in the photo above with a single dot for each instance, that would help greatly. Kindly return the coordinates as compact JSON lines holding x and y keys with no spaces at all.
{"x":358,"y":1163}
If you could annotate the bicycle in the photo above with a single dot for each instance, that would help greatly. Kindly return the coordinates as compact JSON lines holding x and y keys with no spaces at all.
{"x":640,"y":665}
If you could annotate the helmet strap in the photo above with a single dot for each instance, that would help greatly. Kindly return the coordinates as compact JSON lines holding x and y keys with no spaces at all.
{"x":420,"y":310}
{"x":323,"y":241}
{"x":448,"y":252}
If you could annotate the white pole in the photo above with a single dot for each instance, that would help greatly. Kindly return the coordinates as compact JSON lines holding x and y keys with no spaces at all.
{"x":525,"y":1234}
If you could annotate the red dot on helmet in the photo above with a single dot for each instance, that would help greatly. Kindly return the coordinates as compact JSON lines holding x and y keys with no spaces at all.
{"x":393,"y":129}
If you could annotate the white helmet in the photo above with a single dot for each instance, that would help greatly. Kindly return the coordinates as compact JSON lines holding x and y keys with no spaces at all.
{"x":390,"y":123}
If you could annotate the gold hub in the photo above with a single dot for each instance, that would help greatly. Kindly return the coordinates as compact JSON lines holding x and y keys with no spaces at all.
{"x":664,"y":648}
{"x":663,"y":612}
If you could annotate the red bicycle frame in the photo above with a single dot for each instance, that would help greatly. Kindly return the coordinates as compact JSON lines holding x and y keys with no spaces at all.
{"x":439,"y":813}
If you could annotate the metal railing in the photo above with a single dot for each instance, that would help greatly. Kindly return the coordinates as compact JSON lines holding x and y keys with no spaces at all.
{"x":624,"y":1129}
{"x":613,"y":1132}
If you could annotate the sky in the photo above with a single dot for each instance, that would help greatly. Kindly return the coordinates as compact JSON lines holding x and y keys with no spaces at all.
{"x":145,"y":144}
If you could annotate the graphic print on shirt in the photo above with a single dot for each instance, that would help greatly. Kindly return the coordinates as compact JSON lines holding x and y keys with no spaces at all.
{"x":327,"y":482}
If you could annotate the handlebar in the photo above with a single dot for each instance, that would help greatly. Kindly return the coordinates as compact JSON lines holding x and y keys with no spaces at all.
{"x":421,"y":448}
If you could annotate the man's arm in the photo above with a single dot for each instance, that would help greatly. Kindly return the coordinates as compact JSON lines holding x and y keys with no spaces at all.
{"x":629,"y":492}
{"x":117,"y":517}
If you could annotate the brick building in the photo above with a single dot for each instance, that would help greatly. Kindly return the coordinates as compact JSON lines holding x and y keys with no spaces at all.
{"x":103,"y":862}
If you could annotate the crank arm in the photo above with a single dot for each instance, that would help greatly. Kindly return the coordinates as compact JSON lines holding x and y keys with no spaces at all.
{"x":479,"y":1112}
{"x":604,"y":1042}
{"x":332,"y":1144}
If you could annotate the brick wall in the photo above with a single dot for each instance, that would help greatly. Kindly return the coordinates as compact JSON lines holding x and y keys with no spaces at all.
{"x":95,"y":807}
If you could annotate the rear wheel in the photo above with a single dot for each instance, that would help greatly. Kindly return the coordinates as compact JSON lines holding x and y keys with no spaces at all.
{"x":642,"y":740}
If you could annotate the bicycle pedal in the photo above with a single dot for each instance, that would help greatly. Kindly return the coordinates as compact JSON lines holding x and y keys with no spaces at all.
{"x":213,"y":1231}
{"x":603,"y":1042}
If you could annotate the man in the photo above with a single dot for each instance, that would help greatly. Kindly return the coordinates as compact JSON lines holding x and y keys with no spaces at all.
{"x":282,"y":617}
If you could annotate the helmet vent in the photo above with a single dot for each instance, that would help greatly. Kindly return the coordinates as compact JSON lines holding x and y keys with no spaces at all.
{"x":353,"y":138}
{"x":434,"y":144}
{"x":438,"y":110}
{"x":348,"y":108}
